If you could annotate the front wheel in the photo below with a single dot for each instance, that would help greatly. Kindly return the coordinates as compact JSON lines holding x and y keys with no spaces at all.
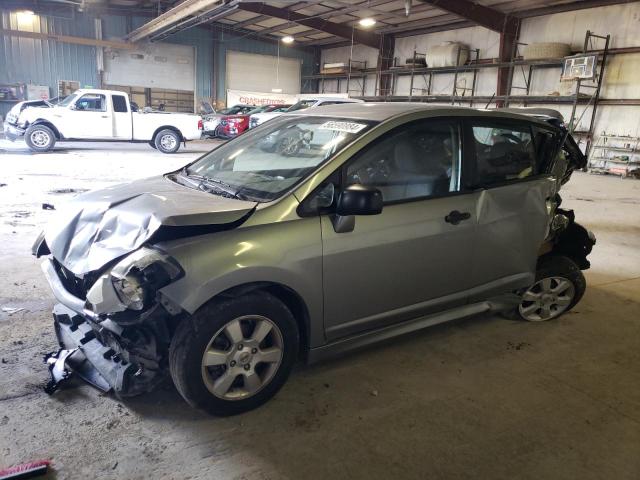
{"x":234,"y":354}
{"x":559,"y":286}
{"x":40,"y":138}
{"x":167,"y":141}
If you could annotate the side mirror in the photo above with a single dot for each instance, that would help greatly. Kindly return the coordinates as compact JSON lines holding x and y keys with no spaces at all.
{"x":359,"y":200}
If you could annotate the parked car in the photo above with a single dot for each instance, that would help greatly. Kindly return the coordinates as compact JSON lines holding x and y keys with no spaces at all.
{"x":225,"y":272}
{"x":90,"y":114}
{"x":235,"y":124}
{"x":211,"y":122}
{"x":307,"y":102}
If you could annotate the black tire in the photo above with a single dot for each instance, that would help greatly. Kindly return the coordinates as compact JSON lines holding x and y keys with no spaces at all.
{"x":152,"y":144}
{"x":555,"y":266}
{"x":194,"y":334}
{"x":167,"y":141}
{"x":40,"y":138}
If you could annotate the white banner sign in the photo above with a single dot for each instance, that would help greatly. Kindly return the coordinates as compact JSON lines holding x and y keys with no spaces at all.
{"x":235,"y":97}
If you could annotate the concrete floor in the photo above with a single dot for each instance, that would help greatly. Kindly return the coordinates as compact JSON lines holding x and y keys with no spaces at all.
{"x":482,"y":398}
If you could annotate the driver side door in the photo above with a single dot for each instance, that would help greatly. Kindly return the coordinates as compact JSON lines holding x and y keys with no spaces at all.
{"x":413,"y":258}
{"x":90,"y":117}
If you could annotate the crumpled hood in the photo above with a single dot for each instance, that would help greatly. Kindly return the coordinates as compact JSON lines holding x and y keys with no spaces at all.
{"x":99,"y":226}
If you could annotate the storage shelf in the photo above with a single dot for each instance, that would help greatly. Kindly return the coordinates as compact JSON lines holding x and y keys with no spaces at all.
{"x":617,"y":149}
{"x":404,"y":70}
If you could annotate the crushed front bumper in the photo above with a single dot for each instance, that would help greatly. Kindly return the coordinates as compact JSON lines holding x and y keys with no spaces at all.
{"x":127,"y":360}
{"x":12,"y":132}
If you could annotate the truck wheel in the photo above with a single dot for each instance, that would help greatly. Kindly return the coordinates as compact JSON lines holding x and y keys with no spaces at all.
{"x":40,"y":138}
{"x":152,"y":144}
{"x":167,"y":141}
{"x":559,"y":286}
{"x":234,"y":354}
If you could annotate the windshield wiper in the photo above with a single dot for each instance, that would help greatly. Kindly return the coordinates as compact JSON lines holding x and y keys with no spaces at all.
{"x":215,"y":183}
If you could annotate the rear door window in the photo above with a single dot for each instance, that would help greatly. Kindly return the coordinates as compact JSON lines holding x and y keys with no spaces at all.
{"x":502,"y":152}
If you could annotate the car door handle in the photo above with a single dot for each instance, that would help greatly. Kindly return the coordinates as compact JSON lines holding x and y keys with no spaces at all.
{"x":104,"y":116}
{"x":455,"y":217}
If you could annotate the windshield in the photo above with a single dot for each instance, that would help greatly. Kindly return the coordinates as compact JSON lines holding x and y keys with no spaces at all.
{"x":68,"y":100}
{"x":301,"y":105}
{"x":263,"y":163}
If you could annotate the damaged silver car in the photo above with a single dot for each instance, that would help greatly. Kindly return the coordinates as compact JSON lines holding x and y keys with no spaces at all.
{"x":311,"y":235}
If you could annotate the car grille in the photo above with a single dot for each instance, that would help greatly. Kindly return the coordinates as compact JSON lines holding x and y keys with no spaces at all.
{"x":75,"y":285}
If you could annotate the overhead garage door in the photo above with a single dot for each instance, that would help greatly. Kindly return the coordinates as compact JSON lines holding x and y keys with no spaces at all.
{"x":158,"y":75}
{"x":261,"y":73}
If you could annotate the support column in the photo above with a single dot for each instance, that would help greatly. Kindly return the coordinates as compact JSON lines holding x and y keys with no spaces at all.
{"x":508,"y":43}
{"x":385,"y":62}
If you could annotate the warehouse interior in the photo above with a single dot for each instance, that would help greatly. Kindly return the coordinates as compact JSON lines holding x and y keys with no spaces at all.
{"x":480,"y":397}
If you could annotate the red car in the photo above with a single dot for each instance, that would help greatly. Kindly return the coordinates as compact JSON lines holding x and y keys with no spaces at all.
{"x":233,"y":124}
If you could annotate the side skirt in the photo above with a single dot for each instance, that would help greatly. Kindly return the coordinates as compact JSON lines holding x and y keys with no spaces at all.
{"x":338,"y":347}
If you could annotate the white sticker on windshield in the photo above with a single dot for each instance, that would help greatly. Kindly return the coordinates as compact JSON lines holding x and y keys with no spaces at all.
{"x":349,"y":127}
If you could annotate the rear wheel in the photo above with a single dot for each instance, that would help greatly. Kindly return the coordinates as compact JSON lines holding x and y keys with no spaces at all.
{"x":559,"y":286}
{"x":234,"y":354}
{"x":152,"y":144}
{"x":40,"y":138}
{"x":167,"y":141}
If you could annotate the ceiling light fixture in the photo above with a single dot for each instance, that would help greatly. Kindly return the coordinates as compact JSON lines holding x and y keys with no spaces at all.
{"x":287,"y":39}
{"x":26,"y":13}
{"x":367,"y":22}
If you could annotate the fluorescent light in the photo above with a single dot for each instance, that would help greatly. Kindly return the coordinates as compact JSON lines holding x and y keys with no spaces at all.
{"x":276,"y":90}
{"x":287,"y":39}
{"x":26,"y":13}
{"x":367,"y":22}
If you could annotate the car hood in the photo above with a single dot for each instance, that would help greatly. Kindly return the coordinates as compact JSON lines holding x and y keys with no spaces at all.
{"x":100,"y":226}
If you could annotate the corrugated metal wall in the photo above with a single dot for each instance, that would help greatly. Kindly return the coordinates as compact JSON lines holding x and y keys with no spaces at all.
{"x":44,"y":62}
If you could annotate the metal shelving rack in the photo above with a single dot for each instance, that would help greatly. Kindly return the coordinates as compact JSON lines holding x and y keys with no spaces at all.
{"x":610,"y":158}
{"x":475,"y":65}
{"x":357,"y":70}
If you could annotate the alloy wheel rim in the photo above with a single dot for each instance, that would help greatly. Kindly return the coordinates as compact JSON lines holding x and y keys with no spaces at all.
{"x":40,"y":138}
{"x":242,"y":357}
{"x":547,"y":299}
{"x":168,"y":142}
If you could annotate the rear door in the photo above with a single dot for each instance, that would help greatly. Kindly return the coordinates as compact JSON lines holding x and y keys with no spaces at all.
{"x":122,"y":120}
{"x":413,"y":258}
{"x":514,"y":199}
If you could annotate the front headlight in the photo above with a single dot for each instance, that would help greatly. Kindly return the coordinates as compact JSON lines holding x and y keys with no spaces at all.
{"x":130,"y":292}
{"x":138,"y":277}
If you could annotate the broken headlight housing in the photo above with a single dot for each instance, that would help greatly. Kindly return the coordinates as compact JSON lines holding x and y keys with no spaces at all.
{"x":138,"y":277}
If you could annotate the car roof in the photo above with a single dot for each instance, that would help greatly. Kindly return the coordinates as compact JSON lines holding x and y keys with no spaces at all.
{"x":381,"y":111}
{"x":309,"y":98}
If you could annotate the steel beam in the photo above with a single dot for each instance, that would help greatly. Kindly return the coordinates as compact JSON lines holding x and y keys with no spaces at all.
{"x":92,"y":42}
{"x":178,"y":13}
{"x":365,"y":38}
{"x":479,"y":14}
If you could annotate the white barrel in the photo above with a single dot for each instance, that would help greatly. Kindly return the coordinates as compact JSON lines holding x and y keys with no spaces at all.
{"x":446,"y":55}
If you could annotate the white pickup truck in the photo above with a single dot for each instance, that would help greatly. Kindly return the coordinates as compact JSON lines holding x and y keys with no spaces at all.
{"x":102,"y":115}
